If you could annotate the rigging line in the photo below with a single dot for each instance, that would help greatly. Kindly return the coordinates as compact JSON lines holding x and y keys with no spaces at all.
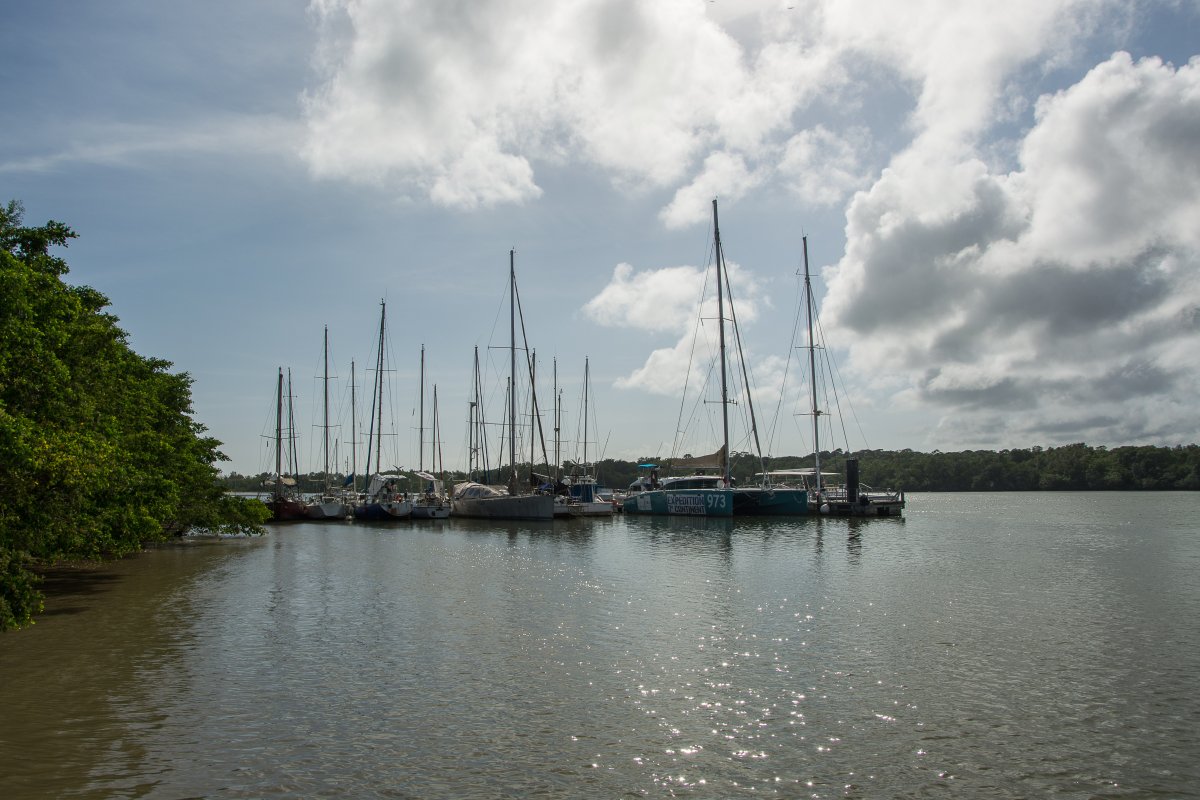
{"x":834,"y":371}
{"x":536,"y":412}
{"x":687,"y":378}
{"x":787,"y":365}
{"x":737,"y":337}
{"x":709,"y":256}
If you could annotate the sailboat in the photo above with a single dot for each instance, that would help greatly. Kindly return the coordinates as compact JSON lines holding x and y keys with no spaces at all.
{"x":285,"y":502}
{"x":385,"y":498}
{"x":701,"y":493}
{"x":331,"y":504}
{"x":850,"y":498}
{"x":584,"y":494}
{"x":710,"y":489}
{"x":432,"y":502}
{"x":474,"y":499}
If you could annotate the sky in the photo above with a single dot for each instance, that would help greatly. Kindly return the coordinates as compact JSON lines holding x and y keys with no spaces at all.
{"x":1001,"y":203}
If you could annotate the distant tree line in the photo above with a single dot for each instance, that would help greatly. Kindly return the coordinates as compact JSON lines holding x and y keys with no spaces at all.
{"x":99,"y":453}
{"x":1070,"y":467}
{"x":1073,"y":467}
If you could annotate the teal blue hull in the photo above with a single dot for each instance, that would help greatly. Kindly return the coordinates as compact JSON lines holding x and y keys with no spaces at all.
{"x":755,"y":501}
{"x":682,"y":502}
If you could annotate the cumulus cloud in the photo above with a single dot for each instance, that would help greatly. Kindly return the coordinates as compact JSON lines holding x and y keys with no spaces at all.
{"x":675,"y":301}
{"x":459,"y":101}
{"x":1006,"y":283}
{"x":823,"y":167}
{"x":1055,"y":301}
{"x":724,"y":174}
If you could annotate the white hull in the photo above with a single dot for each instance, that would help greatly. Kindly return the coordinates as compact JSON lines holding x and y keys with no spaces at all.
{"x":597,"y":508}
{"x":331,"y":509}
{"x":431,"y":511}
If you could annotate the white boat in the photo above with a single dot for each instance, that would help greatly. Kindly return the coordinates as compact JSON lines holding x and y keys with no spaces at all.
{"x":331,"y":503}
{"x":384,"y":498}
{"x":585,"y":497}
{"x":431,"y":502}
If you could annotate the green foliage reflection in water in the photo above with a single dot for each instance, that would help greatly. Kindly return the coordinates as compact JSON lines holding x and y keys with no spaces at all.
{"x":99,"y":453}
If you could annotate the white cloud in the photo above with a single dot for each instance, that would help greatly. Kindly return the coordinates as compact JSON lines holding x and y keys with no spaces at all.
{"x":678,"y":301}
{"x":724,"y":175}
{"x":654,"y":300}
{"x":133,"y":144}
{"x":414,"y":94}
{"x":990,"y":279}
{"x":1047,"y":302}
{"x":822,"y":167}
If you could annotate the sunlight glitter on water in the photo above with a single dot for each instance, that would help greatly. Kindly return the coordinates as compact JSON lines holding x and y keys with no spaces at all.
{"x":927,"y":657}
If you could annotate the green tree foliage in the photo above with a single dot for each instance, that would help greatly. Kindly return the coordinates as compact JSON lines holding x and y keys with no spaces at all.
{"x":1075,"y":467}
{"x":98,"y":450}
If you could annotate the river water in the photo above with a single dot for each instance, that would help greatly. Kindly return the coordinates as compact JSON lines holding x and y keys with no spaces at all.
{"x":986,"y":645}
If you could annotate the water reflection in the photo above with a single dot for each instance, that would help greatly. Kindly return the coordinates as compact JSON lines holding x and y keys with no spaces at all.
{"x":953,"y":655}
{"x":76,"y":689}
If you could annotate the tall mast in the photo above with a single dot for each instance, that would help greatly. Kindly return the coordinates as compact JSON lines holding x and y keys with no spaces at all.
{"x":421,"y":418}
{"x":326,"y":425}
{"x":293,"y":461}
{"x":279,"y":437}
{"x":436,"y":454}
{"x":721,"y":338}
{"x":512,"y":368}
{"x":379,"y":382}
{"x":478,"y":431}
{"x":585,"y":410}
{"x":812,"y":367}
{"x":533,"y":410}
{"x":557,"y":420}
{"x":353,"y":433}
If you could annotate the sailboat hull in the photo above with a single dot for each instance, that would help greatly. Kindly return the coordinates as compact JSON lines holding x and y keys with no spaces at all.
{"x":435,"y":510}
{"x":770,"y":501}
{"x":328,"y":509}
{"x":285,"y":509}
{"x":682,"y":502}
{"x":398,"y":509}
{"x":527,"y":506}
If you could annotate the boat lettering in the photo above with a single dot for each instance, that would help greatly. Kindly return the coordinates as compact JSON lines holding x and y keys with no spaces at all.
{"x":715,"y":500}
{"x":685,"y":504}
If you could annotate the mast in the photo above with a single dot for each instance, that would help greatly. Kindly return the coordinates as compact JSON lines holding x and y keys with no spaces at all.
{"x":379,"y":383}
{"x":812,"y":368}
{"x":421,"y":418}
{"x":512,"y":369}
{"x":534,"y":410}
{"x":293,"y":461}
{"x":557,"y":421}
{"x":279,"y":439}
{"x":353,"y":434}
{"x":721,"y":338}
{"x":477,"y":432}
{"x":585,"y":411}
{"x":326,"y":425}
{"x":436,"y":454}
